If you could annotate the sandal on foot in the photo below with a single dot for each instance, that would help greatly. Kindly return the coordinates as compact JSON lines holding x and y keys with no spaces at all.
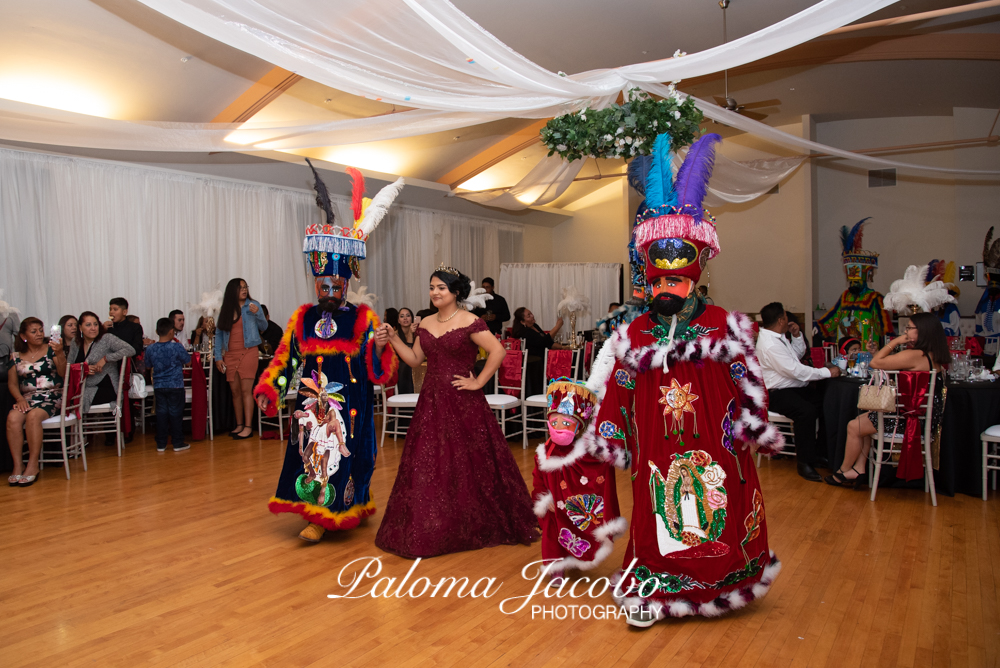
{"x":29,"y":480}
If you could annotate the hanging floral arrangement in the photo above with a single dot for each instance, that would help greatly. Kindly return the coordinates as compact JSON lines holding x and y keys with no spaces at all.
{"x":623,"y":130}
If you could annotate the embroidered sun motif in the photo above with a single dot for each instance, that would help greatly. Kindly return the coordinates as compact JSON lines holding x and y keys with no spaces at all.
{"x":677,"y":399}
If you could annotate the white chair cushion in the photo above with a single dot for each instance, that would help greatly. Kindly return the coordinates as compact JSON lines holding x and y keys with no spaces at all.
{"x":536,"y":400}
{"x":502,"y":400}
{"x":56,"y":420}
{"x":402,"y":400}
{"x":101,"y":408}
{"x":992,"y":431}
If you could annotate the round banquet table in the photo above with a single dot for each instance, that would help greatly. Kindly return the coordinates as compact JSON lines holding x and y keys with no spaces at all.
{"x":969,"y":409}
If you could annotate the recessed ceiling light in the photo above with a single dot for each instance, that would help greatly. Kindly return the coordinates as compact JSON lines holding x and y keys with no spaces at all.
{"x":185,"y":59}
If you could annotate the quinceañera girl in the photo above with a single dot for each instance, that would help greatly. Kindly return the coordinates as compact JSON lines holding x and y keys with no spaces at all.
{"x":335,"y":348}
{"x":458,"y":487}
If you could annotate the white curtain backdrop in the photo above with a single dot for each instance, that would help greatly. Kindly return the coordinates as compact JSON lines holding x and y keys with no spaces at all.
{"x":76,"y":232}
{"x":539,"y":285}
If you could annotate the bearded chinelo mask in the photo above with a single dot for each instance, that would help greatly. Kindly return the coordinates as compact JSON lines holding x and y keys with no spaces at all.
{"x":332,"y":250}
{"x":675,"y":235}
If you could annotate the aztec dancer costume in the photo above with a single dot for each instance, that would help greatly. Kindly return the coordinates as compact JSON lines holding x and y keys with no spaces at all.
{"x":987,"y":316}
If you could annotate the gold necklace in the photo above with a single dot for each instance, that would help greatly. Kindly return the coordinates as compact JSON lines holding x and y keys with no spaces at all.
{"x":448,"y":318}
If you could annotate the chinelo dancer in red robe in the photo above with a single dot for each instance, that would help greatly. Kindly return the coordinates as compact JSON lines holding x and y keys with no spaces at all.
{"x":682,"y":397}
{"x":576,"y":499}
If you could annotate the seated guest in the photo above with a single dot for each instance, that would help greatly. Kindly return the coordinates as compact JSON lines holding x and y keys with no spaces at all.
{"x":129,"y":331}
{"x":68,"y":327}
{"x":407,"y":330}
{"x":35,"y":382}
{"x":926,"y":350}
{"x":849,"y":347}
{"x":787,"y":381}
{"x":536,"y":342}
{"x":103,"y":352}
{"x":703,"y":293}
{"x":496,"y":312}
{"x":199,"y":333}
{"x":272,"y":335}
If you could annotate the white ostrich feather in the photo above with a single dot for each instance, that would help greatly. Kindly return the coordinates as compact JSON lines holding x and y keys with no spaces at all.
{"x":6,"y":309}
{"x":911,"y":291}
{"x":380,"y":206}
{"x":572,"y":302}
{"x":210,"y":303}
{"x":362,"y":296}
{"x":477,"y":298}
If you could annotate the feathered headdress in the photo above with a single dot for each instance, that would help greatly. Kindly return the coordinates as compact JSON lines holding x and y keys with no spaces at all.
{"x":991,"y":255}
{"x":675,"y":234}
{"x":851,"y":239}
{"x":336,"y":251}
{"x":572,"y":302}
{"x":210,"y":304}
{"x":477,"y":296}
{"x":321,"y":393}
{"x":911,"y":294}
{"x":5,"y":308}
{"x":362,"y":296}
{"x":945,"y":272}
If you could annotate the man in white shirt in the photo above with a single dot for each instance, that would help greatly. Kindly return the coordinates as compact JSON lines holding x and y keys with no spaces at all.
{"x":787,"y":381}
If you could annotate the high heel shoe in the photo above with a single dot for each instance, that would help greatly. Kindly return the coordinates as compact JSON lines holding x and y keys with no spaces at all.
{"x":29,"y":480}
{"x":838,"y":479}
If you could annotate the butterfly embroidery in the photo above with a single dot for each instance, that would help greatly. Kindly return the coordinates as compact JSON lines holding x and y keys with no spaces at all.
{"x":576,"y":545}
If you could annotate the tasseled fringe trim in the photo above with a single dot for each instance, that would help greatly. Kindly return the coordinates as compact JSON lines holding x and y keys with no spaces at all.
{"x":605,"y":536}
{"x":720,"y":605}
{"x":543,"y":504}
{"x":677,"y":225}
{"x":323,"y":516}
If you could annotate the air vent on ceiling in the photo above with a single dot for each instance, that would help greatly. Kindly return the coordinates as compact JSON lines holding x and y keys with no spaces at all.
{"x":881,"y":178}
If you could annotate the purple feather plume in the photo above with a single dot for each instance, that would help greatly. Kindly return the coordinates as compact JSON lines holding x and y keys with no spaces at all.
{"x":692,"y":178}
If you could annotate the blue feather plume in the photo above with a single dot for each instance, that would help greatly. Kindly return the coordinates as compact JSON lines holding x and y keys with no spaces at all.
{"x":693,"y":176}
{"x":660,"y":179}
{"x":638,"y":171}
{"x":851,"y":238}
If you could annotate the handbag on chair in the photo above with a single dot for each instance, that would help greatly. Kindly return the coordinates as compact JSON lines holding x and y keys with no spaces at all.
{"x":877,"y":394}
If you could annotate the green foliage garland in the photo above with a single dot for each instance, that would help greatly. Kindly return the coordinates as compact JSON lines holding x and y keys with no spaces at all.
{"x":622,"y":130}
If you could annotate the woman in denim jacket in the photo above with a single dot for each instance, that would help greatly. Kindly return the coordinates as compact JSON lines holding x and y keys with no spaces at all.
{"x":237,"y":336}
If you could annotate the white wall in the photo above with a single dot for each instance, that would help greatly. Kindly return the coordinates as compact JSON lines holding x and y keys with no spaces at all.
{"x":922,"y":217}
{"x":599,"y":229}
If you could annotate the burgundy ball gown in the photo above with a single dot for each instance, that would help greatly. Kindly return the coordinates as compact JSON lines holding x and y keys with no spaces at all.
{"x":458,"y":487}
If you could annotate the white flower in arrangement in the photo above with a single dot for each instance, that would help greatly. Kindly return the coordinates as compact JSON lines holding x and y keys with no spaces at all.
{"x":655,"y":122}
{"x":561,"y":147}
{"x":583,"y":117}
{"x":677,"y":115}
{"x":608,"y":137}
{"x":620,"y":130}
{"x":628,"y":140}
{"x":678,"y":53}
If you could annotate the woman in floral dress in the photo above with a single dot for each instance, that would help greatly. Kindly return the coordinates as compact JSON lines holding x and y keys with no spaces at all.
{"x":35,"y":383}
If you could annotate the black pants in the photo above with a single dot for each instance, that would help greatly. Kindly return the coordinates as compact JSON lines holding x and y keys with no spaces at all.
{"x":169,"y":416}
{"x":803,"y":406}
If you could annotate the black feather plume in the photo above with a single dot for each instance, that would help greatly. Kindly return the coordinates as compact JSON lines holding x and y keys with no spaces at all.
{"x":637,"y":171}
{"x":322,"y":195}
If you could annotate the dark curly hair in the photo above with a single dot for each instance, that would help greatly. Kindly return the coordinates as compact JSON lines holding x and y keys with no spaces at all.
{"x":460,"y":285}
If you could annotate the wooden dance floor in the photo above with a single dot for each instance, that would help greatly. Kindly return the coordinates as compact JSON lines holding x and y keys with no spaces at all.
{"x":174,"y":560}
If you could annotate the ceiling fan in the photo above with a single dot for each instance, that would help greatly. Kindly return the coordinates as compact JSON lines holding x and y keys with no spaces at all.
{"x":730,"y":103}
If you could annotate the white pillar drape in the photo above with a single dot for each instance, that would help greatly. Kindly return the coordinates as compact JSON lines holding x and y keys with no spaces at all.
{"x":538,"y":286}
{"x":75,"y":232}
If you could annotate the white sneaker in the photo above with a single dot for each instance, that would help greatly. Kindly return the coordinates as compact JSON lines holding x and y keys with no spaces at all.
{"x":641,"y":616}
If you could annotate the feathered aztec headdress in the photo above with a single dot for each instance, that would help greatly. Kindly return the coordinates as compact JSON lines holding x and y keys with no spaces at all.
{"x":571,"y":398}
{"x":675,"y":234}
{"x":912,"y":294}
{"x":991,"y":256}
{"x":336,"y":251}
{"x":939,"y":270}
{"x":851,"y":240}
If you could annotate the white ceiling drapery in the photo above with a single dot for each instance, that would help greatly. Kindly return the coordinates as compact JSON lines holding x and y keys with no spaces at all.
{"x":424,"y":54}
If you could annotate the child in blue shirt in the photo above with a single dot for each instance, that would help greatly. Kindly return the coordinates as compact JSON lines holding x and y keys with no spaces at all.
{"x":167,"y":359}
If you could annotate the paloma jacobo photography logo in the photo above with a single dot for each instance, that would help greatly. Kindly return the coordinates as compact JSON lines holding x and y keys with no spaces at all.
{"x":580,"y":598}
